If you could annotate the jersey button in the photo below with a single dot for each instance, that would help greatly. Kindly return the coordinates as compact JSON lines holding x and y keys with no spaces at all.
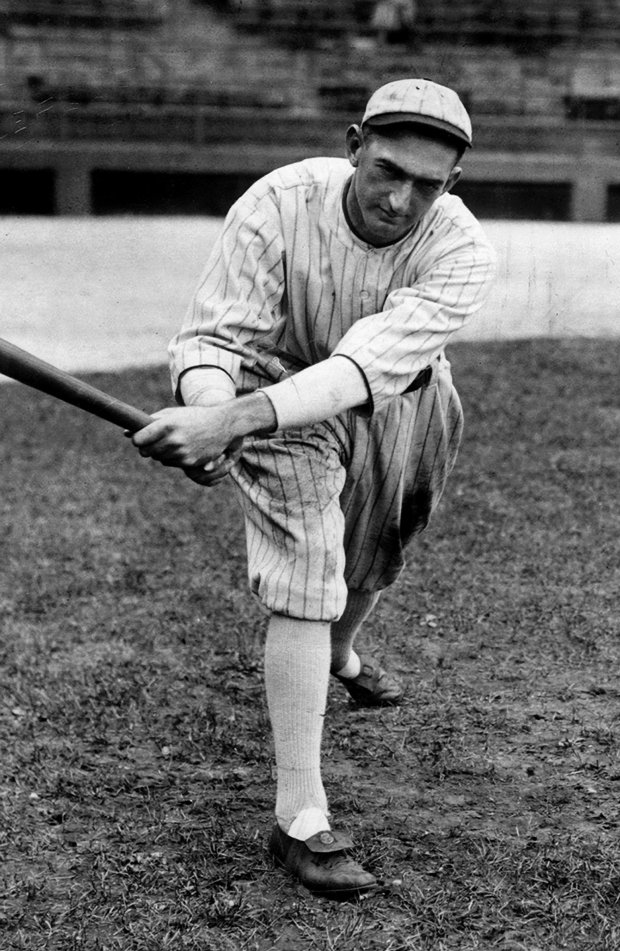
{"x":364,"y":295}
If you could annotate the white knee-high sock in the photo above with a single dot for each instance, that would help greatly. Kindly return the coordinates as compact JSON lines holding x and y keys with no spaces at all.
{"x":344,"y":660}
{"x":297,"y":658}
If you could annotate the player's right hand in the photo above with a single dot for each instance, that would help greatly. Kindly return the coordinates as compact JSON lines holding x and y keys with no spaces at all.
{"x":216,"y":471}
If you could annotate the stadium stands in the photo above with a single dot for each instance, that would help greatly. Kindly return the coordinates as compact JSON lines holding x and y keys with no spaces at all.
{"x":522,"y":22}
{"x":91,"y":12}
{"x":249,"y":85}
{"x":153,"y":52}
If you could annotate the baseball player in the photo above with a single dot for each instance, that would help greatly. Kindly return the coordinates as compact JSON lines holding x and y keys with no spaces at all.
{"x":311,"y":367}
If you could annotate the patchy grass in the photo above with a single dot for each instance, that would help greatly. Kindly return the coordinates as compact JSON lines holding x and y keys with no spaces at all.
{"x":136,"y":792}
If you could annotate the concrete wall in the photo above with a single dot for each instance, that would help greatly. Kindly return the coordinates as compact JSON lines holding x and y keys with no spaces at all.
{"x":577,"y":183}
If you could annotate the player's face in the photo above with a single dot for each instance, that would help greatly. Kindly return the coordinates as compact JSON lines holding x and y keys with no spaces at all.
{"x":395,"y":183}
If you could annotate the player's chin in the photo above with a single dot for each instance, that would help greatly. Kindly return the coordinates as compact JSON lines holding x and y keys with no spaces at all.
{"x":389,"y":229}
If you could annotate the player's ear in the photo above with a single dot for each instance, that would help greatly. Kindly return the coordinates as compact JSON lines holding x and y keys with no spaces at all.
{"x":453,"y":178}
{"x":354,"y":142}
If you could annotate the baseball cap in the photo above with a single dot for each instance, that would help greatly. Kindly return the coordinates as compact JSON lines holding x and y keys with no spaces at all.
{"x":423,"y":102}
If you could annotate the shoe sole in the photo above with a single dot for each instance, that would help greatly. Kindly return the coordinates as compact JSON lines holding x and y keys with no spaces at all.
{"x":368,"y":703}
{"x":337,"y":894}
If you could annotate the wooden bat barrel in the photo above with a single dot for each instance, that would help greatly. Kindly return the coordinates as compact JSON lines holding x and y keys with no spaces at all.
{"x":26,"y":368}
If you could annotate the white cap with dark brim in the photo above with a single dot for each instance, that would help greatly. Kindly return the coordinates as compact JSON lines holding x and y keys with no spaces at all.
{"x":423,"y":102}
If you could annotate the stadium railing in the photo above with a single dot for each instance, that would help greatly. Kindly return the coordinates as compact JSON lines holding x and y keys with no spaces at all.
{"x":317,"y":133}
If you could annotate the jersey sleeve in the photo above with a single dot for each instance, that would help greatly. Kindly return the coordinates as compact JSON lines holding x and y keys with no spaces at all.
{"x":239,"y":292}
{"x":392,"y":346}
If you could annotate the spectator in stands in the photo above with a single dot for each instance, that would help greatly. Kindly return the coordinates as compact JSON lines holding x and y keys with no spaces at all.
{"x":393,"y":20}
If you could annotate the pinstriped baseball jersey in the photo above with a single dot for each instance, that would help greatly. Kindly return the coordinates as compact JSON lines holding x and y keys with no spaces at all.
{"x":289,"y":273}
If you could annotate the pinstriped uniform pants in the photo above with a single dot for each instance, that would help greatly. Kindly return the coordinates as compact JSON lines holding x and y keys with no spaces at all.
{"x":331,"y":507}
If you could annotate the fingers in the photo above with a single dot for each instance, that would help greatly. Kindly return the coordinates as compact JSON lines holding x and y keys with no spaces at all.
{"x":210,"y":475}
{"x":146,"y":439}
{"x":192,"y":439}
{"x":233,"y":453}
{"x":165,"y":427}
{"x":216,"y":471}
{"x":168,"y":443}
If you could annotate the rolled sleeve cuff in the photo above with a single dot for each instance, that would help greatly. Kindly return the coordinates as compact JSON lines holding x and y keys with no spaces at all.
{"x":196,"y":382}
{"x":189,"y":354}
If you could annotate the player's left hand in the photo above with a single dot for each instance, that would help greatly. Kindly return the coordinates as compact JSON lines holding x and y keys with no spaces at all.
{"x":214,"y":472}
{"x":188,"y":437}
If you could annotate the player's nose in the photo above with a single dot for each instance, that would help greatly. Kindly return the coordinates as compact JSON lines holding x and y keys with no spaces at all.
{"x":400,"y":198}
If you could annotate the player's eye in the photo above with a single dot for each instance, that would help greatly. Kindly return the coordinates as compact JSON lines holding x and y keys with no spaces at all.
{"x":428,"y":188}
{"x":387,"y":172}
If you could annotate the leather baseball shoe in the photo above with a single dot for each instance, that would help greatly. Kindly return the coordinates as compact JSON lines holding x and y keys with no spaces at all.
{"x":321,"y":864}
{"x":373,"y":686}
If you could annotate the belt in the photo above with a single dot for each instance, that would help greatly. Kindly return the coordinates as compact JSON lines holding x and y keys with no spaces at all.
{"x":423,"y":378}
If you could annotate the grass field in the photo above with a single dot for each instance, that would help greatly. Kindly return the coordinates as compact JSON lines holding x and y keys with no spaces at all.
{"x":136,"y":789}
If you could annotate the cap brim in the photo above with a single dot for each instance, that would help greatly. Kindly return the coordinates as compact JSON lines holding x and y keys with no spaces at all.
{"x":391,"y":118}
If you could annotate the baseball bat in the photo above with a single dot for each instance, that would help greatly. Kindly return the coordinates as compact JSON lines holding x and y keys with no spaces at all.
{"x":26,"y":368}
